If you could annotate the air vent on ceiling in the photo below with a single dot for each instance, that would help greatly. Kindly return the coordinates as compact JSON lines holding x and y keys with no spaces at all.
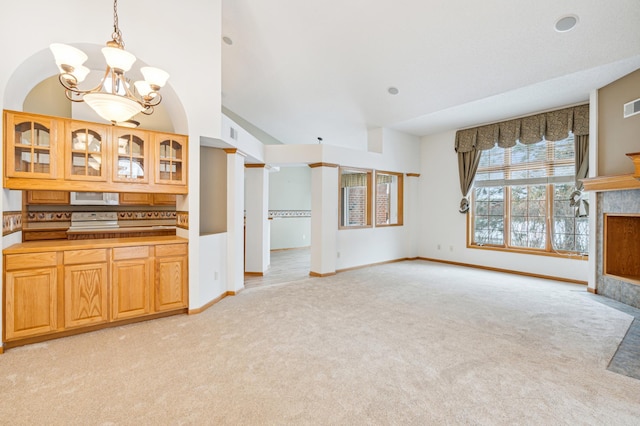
{"x":233,"y":133}
{"x":631,"y":108}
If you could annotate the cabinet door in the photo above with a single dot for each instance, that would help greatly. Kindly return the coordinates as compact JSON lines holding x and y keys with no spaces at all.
{"x":48,"y":197}
{"x":131,"y":155}
{"x":164,"y":199}
{"x":85,"y":294}
{"x":30,"y":302}
{"x":136,"y":199}
{"x":170,"y":159}
{"x":130,"y":282}
{"x":31,"y":143}
{"x":86,"y":151}
{"x":171,"y":283}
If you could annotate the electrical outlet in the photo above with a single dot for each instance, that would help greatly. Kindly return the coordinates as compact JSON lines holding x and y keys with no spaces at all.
{"x":439,"y":247}
{"x":338,"y":254}
{"x":215,"y":275}
{"x":450,"y":248}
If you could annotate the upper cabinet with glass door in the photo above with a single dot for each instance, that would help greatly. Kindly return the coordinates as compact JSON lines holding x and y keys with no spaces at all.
{"x":170,"y":159}
{"x":131,"y":155}
{"x":86,"y":151}
{"x":31,"y":143}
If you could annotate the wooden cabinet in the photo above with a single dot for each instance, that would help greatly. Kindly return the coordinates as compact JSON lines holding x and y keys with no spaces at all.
{"x":31,"y":146}
{"x":85,"y":287}
{"x":146,"y":199}
{"x":31,"y":295}
{"x":48,"y":197}
{"x":164,"y":199}
{"x":72,"y":286}
{"x":131,"y":155}
{"x":130,"y":282}
{"x":60,"y":154}
{"x":171,"y":277}
{"x":170,"y":159}
{"x":86,"y":151}
{"x":136,"y":199}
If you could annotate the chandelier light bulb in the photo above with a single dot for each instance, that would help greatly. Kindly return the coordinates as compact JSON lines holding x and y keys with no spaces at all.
{"x":68,"y":55}
{"x":143,"y":87}
{"x":154,"y":76}
{"x":118,"y":59}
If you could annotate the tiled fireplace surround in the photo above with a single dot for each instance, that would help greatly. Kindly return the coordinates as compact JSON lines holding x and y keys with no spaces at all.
{"x":612,"y":202}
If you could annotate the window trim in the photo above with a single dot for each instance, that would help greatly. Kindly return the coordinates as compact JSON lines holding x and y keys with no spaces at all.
{"x":369,"y":193}
{"x":400,"y":185}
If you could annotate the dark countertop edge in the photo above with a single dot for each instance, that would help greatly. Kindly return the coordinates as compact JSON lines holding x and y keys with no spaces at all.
{"x":121,"y":229}
{"x":61,"y":245}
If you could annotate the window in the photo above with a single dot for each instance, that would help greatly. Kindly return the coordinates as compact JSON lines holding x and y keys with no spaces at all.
{"x":388,"y":198}
{"x":521,"y":199}
{"x":355,"y":198}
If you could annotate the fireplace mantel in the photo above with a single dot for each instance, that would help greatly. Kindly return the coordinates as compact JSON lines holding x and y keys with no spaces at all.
{"x":616,"y":183}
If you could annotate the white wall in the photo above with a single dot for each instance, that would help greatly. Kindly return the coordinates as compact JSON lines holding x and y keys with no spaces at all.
{"x":442,"y":224}
{"x":290,"y":189}
{"x":212,"y":258}
{"x":357,"y":247}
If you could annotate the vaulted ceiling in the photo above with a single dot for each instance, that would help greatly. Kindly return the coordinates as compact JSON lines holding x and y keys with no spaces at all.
{"x":300,"y":70}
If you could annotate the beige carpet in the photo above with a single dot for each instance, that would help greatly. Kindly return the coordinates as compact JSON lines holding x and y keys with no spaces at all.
{"x":404,"y":343}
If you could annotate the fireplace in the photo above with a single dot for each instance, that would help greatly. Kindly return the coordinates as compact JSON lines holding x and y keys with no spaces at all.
{"x":622,"y":247}
{"x":618,"y":246}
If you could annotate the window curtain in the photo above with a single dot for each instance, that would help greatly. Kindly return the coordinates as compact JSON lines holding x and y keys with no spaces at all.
{"x":353,"y":179}
{"x":383,"y":179}
{"x":553,"y":126}
{"x":578,"y":199}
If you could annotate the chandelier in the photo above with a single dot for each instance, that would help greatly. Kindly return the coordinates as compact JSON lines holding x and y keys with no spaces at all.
{"x":112,"y":99}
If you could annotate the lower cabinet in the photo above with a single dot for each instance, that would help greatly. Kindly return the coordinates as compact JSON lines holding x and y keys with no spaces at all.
{"x":54,"y":291}
{"x":31,"y":295}
{"x":85,"y":287}
{"x":130,"y":282}
{"x":171,"y":277}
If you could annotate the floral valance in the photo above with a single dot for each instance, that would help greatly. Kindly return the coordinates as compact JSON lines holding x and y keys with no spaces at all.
{"x":552,"y":126}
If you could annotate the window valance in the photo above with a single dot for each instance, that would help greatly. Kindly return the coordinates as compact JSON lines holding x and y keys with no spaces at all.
{"x":348,"y":180}
{"x":552,"y":126}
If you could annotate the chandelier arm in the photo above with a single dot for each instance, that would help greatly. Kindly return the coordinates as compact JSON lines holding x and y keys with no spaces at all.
{"x":148,"y":110}
{"x":154,"y":101}
{"x":74,"y":89}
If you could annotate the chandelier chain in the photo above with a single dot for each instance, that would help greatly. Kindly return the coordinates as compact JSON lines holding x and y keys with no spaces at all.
{"x":117,"y":34}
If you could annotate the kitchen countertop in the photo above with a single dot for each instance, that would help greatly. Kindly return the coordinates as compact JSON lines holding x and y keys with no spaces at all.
{"x":61,"y":245}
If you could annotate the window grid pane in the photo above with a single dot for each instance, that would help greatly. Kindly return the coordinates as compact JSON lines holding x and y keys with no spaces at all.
{"x":533,"y":220}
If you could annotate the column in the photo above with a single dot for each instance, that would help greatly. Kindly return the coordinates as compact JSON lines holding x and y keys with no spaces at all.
{"x":257,"y":244}
{"x":411,"y":206}
{"x":324,"y":218}
{"x":235,"y":220}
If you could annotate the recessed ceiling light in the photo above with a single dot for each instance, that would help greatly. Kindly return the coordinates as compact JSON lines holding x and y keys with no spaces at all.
{"x":393,"y":90}
{"x":566,"y":23}
{"x":227,"y":40}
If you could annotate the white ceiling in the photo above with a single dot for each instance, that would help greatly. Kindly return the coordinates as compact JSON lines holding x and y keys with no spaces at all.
{"x":300,"y":70}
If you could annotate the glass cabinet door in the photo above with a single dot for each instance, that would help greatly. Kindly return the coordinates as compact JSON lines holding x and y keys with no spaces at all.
{"x":86,"y":152}
{"x":131,"y":156}
{"x":171,"y":159}
{"x":31,"y":146}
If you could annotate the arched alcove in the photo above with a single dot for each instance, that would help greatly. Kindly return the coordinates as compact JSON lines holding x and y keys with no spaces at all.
{"x":33,"y":86}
